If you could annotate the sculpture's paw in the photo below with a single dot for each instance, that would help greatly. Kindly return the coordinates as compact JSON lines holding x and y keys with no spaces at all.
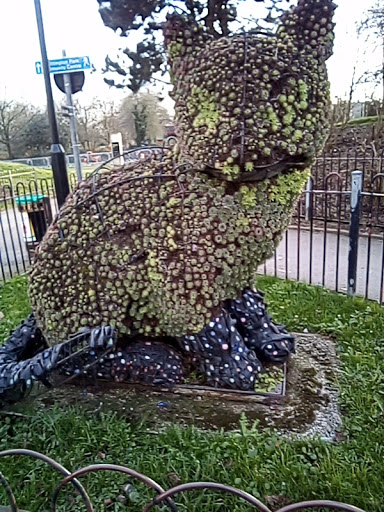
{"x":271,"y":342}
{"x":24,"y":342}
{"x":138,"y":362}
{"x":219,"y":353}
{"x":25,"y":357}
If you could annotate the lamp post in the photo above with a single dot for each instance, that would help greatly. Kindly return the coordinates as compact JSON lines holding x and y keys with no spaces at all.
{"x":59,"y":166}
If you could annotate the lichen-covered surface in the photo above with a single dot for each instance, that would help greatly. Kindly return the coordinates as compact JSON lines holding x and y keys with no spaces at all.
{"x":155,"y":255}
{"x":250,"y":105}
{"x":154,"y":249}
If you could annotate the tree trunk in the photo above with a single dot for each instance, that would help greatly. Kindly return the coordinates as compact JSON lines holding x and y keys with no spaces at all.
{"x":9,"y":150}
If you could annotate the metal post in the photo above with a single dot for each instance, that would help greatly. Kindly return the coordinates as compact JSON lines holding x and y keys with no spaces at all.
{"x":357,"y":184}
{"x":308,"y":202}
{"x":72,"y":124}
{"x":58,"y":162}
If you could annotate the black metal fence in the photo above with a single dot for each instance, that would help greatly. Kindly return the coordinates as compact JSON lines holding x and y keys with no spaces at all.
{"x":319,"y":245}
{"x":315,"y":249}
{"x":161,"y":496}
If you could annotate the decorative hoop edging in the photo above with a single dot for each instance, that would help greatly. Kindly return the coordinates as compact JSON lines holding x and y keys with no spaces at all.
{"x":163,"y":495}
{"x":111,"y":467}
{"x":52,"y":463}
{"x":331,"y":505}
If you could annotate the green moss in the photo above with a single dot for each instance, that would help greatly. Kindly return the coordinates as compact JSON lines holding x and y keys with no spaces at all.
{"x":174,"y":50}
{"x":152,"y":263}
{"x":288,"y":186}
{"x":173,"y":202}
{"x":232,"y":171}
{"x":248,"y":197}
{"x":204,"y":103}
{"x":303,"y":90}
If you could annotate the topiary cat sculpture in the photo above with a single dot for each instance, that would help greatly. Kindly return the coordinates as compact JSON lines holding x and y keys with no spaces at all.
{"x":168,"y":250}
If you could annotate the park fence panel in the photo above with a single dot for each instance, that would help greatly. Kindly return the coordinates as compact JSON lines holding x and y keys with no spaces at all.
{"x":315,"y":249}
{"x":26,"y":209}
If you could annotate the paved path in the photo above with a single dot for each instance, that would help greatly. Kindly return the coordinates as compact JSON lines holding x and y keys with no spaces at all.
{"x":287,"y":263}
{"x":14,"y":257}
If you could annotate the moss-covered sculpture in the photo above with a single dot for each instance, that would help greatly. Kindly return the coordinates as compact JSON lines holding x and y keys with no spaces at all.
{"x":155,"y":248}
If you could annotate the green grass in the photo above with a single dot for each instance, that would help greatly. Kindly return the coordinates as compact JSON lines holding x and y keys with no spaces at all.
{"x":18,"y":170}
{"x":255,"y":460}
{"x":14,"y":304}
{"x":363,"y":120}
{"x":24,"y":173}
{"x":6,"y":166}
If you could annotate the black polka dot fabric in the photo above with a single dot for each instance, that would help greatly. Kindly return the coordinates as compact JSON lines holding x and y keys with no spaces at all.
{"x":271,"y":342}
{"x":139,"y":362}
{"x":228,"y":352}
{"x":220,"y":354}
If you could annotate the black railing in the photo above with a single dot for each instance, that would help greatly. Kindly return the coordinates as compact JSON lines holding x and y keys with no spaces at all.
{"x":161,"y":496}
{"x":315,"y":248}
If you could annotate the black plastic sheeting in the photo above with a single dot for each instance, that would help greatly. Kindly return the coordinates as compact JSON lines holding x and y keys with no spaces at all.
{"x":25,"y":357}
{"x":139,"y":362}
{"x":271,"y":343}
{"x":228,"y":352}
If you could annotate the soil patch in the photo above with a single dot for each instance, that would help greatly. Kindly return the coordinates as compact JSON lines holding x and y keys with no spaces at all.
{"x":308,"y":409}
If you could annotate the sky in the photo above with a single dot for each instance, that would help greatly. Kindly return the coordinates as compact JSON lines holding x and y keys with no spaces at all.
{"x":76,"y":26}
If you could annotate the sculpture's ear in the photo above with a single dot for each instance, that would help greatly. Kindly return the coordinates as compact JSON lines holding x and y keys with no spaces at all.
{"x":310,"y":25}
{"x":182,"y":37}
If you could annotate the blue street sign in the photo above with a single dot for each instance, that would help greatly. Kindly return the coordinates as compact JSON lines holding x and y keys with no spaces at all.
{"x":65,"y":65}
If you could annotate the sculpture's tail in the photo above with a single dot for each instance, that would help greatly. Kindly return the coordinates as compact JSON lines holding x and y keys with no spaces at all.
{"x":25,"y":357}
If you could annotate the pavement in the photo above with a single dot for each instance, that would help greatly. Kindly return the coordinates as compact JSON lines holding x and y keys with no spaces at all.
{"x":322,"y":259}
{"x":14,"y":256}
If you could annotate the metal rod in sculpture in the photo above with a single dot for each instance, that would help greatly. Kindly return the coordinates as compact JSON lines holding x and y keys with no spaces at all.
{"x":357,"y":180}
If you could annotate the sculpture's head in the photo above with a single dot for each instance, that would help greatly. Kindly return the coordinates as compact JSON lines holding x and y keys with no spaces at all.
{"x":253,"y":106}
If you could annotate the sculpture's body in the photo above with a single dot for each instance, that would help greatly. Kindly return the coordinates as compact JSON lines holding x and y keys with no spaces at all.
{"x":156,"y":248}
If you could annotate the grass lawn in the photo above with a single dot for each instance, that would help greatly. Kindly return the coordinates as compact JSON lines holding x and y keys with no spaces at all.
{"x":24,"y":173}
{"x":255,"y":460}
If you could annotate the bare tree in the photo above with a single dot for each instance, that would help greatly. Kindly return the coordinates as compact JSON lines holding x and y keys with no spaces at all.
{"x":372,"y":27}
{"x":12,"y":115}
{"x":109,"y":111}
{"x":89,"y":128}
{"x":142,"y":118}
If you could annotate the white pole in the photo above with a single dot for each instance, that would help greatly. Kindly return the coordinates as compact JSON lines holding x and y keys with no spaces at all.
{"x":72,"y":124}
{"x":308,"y":198}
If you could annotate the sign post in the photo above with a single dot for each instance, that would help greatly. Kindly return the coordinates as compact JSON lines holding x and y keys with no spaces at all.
{"x":69,"y":73}
{"x":72,"y":124}
{"x":65,"y":65}
{"x":59,"y":166}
